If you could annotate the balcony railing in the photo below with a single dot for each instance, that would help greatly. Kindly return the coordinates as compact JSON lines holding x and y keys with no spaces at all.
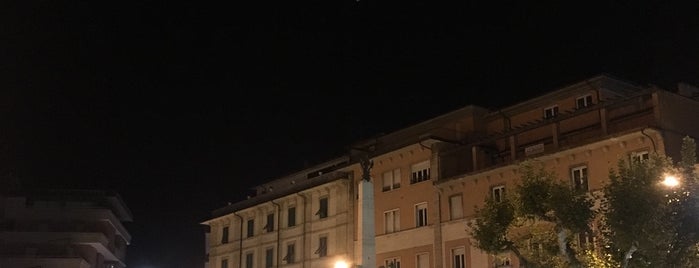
{"x":540,"y":137}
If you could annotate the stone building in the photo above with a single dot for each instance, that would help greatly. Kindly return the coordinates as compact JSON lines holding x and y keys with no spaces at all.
{"x":429,"y":177}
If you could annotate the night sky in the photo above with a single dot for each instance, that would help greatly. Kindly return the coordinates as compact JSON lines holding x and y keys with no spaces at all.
{"x":180,"y":106}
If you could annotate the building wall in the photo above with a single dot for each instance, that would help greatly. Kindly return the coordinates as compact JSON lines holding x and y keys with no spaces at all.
{"x":51,"y":229}
{"x":471,"y":153}
{"x":305,"y":234}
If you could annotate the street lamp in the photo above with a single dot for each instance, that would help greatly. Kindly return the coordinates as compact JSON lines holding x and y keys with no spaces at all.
{"x":670,"y":181}
{"x":341,"y":264}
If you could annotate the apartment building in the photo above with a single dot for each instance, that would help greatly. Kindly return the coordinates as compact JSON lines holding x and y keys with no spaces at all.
{"x":428,"y":178}
{"x":300,"y":220}
{"x":63,"y":229}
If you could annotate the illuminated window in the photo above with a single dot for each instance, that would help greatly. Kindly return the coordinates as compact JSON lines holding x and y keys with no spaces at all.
{"x":391,"y":180}
{"x":584,"y":101}
{"x":421,"y":215}
{"x":420,"y":172}
{"x":551,"y":112}
{"x":456,"y":210}
{"x":458,"y":257}
{"x":391,"y":221}
{"x":579,"y":177}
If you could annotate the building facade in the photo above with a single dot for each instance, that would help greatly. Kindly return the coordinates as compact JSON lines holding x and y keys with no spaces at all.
{"x":429,"y":178}
{"x":63,"y":229}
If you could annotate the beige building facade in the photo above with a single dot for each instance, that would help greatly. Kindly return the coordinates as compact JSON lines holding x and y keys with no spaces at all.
{"x":429,"y":178}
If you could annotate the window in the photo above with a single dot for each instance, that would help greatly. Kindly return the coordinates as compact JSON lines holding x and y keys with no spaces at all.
{"x":224,"y":235}
{"x":551,"y":112}
{"x":323,"y":208}
{"x":499,"y":193}
{"x":322,"y":250}
{"x":586,"y":239}
{"x":249,"y":260}
{"x":639,"y":157}
{"x":391,"y":180}
{"x":458,"y":257}
{"x":251,"y":228}
{"x":290,"y":253}
{"x":579,"y":176}
{"x":269,"y":258}
{"x":503,"y":260}
{"x":392,"y":262}
{"x":269,"y":227}
{"x":391,"y":221}
{"x":423,"y":260}
{"x":584,"y":101}
{"x":291,"y":217}
{"x":420,"y":172}
{"x":224,"y":263}
{"x":456,"y":210}
{"x":421,"y":215}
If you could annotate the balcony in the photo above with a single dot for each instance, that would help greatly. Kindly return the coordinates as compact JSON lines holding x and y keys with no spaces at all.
{"x":541,"y":137}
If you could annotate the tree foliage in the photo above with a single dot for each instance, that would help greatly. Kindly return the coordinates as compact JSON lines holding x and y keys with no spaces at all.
{"x":648,"y":224}
{"x":537,"y":221}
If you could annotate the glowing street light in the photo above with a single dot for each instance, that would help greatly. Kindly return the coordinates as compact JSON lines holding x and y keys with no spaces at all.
{"x":670,"y":181}
{"x":341,"y":264}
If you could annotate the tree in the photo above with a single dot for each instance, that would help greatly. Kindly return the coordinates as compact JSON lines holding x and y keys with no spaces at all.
{"x":647,"y":224}
{"x":537,"y":222}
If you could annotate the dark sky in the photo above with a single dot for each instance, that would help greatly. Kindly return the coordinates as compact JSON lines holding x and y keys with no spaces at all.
{"x":182,"y":105}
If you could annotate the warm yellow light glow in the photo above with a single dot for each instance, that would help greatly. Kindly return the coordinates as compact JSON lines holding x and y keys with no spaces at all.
{"x":341,"y":264}
{"x":671,"y":181}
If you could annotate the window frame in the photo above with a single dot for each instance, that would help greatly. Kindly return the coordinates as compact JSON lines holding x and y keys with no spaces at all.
{"x":420,"y":172}
{"x":421,"y":219}
{"x":394,"y":178}
{"x":417,"y":259}
{"x":497,"y":193}
{"x":395,"y":220}
{"x":583,"y":180}
{"x":392,"y":262}
{"x":323,"y":204}
{"x":250,"y":259}
{"x":250,"y":228}
{"x":269,"y":257}
{"x":639,"y":156}
{"x":291,"y":216}
{"x":225,"y":233}
{"x":586,"y":99}
{"x":452,"y":208}
{"x":458,"y":257}
{"x":290,"y":256}
{"x":322,"y":250}
{"x":269,"y":226}
{"x":554,"y":111}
